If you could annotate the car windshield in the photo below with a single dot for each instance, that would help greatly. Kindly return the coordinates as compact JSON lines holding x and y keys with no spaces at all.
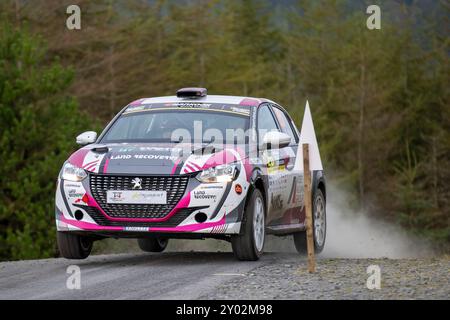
{"x":176,"y":126}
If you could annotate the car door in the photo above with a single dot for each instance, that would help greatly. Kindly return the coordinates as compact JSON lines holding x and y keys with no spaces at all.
{"x":272,"y":165}
{"x":292,"y":179}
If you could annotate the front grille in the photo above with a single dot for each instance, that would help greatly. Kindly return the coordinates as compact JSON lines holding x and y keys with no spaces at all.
{"x":173,"y":221}
{"x":175,"y":187}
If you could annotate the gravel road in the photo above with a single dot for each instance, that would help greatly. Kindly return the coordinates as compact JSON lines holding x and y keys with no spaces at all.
{"x":288,"y":278}
{"x":208,"y":275}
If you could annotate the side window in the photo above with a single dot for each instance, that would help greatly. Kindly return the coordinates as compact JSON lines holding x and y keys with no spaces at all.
{"x":285,"y":124}
{"x":266,"y":122}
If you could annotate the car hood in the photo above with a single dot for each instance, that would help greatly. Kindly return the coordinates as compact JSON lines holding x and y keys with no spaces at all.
{"x":152,"y":158}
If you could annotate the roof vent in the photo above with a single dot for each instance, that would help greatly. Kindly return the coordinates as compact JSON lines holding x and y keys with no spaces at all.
{"x":191,"y":93}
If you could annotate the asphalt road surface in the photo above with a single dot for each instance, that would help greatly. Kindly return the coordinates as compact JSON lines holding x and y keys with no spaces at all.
{"x":206,"y":275}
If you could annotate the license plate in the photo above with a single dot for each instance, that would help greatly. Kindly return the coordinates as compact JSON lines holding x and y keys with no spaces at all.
{"x":136,"y":197}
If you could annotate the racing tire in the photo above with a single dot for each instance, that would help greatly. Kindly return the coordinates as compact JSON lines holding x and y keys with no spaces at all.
{"x":73,"y":246}
{"x":249,"y":245}
{"x":319,"y":225}
{"x":153,"y":244}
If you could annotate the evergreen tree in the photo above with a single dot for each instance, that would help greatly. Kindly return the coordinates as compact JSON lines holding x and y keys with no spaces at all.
{"x":38,"y":124}
{"x":248,"y":49}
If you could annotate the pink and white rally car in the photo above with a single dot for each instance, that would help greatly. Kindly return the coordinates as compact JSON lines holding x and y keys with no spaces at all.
{"x":189,"y":166}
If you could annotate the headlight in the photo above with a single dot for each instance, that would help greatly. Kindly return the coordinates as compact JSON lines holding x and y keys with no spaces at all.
{"x":73,"y":173}
{"x":222,"y":173}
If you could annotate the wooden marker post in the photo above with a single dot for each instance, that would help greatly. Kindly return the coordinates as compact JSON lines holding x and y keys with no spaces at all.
{"x":308,"y":210}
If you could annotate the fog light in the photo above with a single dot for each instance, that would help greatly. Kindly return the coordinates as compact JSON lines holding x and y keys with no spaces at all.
{"x":201,"y":217}
{"x":79,"y":215}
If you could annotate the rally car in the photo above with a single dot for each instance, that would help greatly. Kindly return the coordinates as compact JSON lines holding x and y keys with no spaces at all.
{"x":190,"y":166}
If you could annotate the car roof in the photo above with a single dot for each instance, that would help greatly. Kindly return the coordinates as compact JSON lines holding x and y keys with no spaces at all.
{"x":236,"y":100}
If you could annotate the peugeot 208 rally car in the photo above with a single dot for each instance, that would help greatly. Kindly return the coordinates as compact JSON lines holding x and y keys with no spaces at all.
{"x":189,"y":166}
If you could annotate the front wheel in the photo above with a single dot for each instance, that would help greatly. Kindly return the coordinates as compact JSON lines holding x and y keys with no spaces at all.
{"x":319,"y":226}
{"x":73,"y":246}
{"x":153,"y":244}
{"x":249,"y":245}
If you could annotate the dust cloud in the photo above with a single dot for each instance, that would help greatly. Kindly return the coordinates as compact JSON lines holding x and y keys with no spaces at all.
{"x":352,"y":234}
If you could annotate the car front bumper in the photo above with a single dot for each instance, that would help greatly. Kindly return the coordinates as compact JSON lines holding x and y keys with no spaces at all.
{"x":82,"y":206}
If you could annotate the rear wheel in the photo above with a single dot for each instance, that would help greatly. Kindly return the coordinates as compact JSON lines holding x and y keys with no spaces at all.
{"x":153,"y":244}
{"x":249,"y":245}
{"x":319,"y":226}
{"x":73,"y":246}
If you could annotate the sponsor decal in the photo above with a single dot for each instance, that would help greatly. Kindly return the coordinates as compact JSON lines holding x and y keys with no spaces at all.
{"x":164,"y":149}
{"x":143,"y":157}
{"x":188,"y":105}
{"x":212,"y":187}
{"x":279,"y":183}
{"x":154,"y":157}
{"x":117,"y":196}
{"x":274,"y":165}
{"x":74,"y":193}
{"x":70,"y":185}
{"x":121,"y":157}
{"x":238,"y":188}
{"x":136,"y":197}
{"x":279,"y":180}
{"x":136,"y":229}
{"x":281,"y":167}
{"x":135,"y":108}
{"x":134,"y":148}
{"x":203,"y":195}
{"x":270,"y":162}
{"x":240,"y":110}
{"x":276,"y":202}
{"x":84,"y":199}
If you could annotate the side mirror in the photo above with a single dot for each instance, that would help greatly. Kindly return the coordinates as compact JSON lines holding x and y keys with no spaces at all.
{"x":276,"y":140}
{"x":87,"y":137}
